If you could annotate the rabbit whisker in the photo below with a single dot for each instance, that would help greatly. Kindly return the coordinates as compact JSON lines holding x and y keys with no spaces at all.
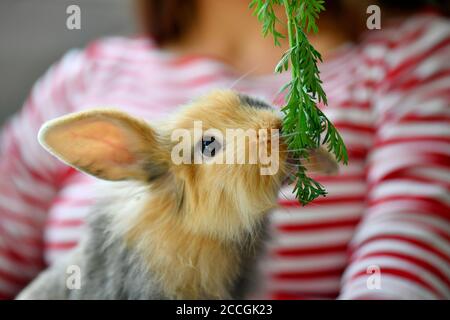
{"x":245,"y":75}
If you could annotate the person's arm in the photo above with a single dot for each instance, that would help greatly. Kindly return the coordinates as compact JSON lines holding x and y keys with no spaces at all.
{"x":29,"y":176}
{"x":401,"y":249}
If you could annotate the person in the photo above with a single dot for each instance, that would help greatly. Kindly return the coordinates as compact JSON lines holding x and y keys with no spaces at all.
{"x":383,"y":231}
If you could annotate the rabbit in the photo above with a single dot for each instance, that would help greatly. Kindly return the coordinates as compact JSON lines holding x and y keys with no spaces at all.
{"x":186,"y":231}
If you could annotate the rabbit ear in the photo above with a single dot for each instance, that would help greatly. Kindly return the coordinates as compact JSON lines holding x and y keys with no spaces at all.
{"x":321,"y":161}
{"x":107,"y":144}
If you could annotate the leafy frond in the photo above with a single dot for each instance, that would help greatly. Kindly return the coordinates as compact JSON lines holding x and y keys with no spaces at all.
{"x":304,"y":123}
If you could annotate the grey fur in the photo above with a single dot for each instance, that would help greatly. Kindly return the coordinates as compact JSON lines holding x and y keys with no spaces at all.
{"x":253,"y":102}
{"x":110,"y":270}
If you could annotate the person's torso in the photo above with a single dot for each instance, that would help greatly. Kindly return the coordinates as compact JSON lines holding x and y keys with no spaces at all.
{"x":307,"y":252}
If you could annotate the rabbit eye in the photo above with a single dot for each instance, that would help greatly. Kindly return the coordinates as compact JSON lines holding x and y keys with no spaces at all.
{"x":210,"y":146}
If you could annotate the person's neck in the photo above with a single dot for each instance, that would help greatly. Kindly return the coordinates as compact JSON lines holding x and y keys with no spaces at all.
{"x":228,"y":31}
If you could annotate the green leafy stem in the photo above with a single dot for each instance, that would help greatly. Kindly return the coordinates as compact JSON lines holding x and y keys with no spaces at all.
{"x":305,"y":126}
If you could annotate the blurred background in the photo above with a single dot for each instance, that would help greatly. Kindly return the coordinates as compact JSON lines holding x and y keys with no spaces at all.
{"x":390,"y":211}
{"x":34,"y":36}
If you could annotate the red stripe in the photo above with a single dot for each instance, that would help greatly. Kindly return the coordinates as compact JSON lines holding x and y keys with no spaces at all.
{"x":423,"y":118}
{"x":356,"y":153}
{"x":4,"y":296}
{"x":19,"y":218}
{"x":436,"y":207}
{"x":295,"y":252}
{"x":439,"y":159}
{"x":319,"y":226}
{"x":64,"y":175}
{"x":65,"y":223}
{"x":412,"y":82}
{"x":308,"y":275}
{"x":385,"y":142}
{"x":17,"y":258}
{"x":34,"y":243}
{"x":185,"y":60}
{"x":379,"y":38}
{"x":410,"y":216}
{"x":364,"y":105}
{"x":405,"y":176}
{"x":15,"y":159}
{"x":354,"y":127}
{"x":33,"y":201}
{"x":61,"y":245}
{"x":415,"y":60}
{"x":286,"y":296}
{"x":343,"y":178}
{"x":302,"y":295}
{"x":18,"y":281}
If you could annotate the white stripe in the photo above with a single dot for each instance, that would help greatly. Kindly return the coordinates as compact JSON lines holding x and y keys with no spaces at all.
{"x":322,"y":285}
{"x":351,"y":115}
{"x":318,"y":263}
{"x":21,"y":208}
{"x":393,"y":287}
{"x":397,"y":101}
{"x":311,"y":238}
{"x":52,"y":256}
{"x":429,"y":67}
{"x":33,"y":188}
{"x":353,"y":188}
{"x":414,"y":129}
{"x":18,"y":229}
{"x":418,"y":217}
{"x":316,"y":213}
{"x":81,"y":189}
{"x":435,"y":33}
{"x":66,"y":234}
{"x":410,"y":188}
{"x":383,"y":167}
{"x":64,"y":212}
{"x":25,"y":250}
{"x":437,"y":174}
{"x":410,"y":230}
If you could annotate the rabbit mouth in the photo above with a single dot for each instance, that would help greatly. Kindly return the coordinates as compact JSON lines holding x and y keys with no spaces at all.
{"x":291,"y":165}
{"x":289,"y":177}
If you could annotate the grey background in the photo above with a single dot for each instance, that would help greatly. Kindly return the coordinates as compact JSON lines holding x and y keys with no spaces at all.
{"x":33,"y":35}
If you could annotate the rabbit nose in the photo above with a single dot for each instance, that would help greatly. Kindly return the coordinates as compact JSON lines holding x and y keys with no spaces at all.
{"x":278,"y":125}
{"x":272,"y":123}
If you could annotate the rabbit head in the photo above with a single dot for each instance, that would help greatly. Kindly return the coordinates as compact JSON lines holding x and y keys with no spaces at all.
{"x":209,"y":175}
{"x":221,"y":187}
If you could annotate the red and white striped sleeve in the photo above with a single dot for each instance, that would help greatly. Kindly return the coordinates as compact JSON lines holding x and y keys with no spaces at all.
{"x":401,"y":249}
{"x":29,"y":176}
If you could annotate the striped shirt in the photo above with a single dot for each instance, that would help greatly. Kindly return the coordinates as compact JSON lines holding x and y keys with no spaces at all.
{"x":383,"y":231}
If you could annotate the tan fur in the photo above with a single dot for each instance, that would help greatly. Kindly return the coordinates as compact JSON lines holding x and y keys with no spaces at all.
{"x":195,"y":248}
{"x":190,"y":266}
{"x":194,"y":218}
